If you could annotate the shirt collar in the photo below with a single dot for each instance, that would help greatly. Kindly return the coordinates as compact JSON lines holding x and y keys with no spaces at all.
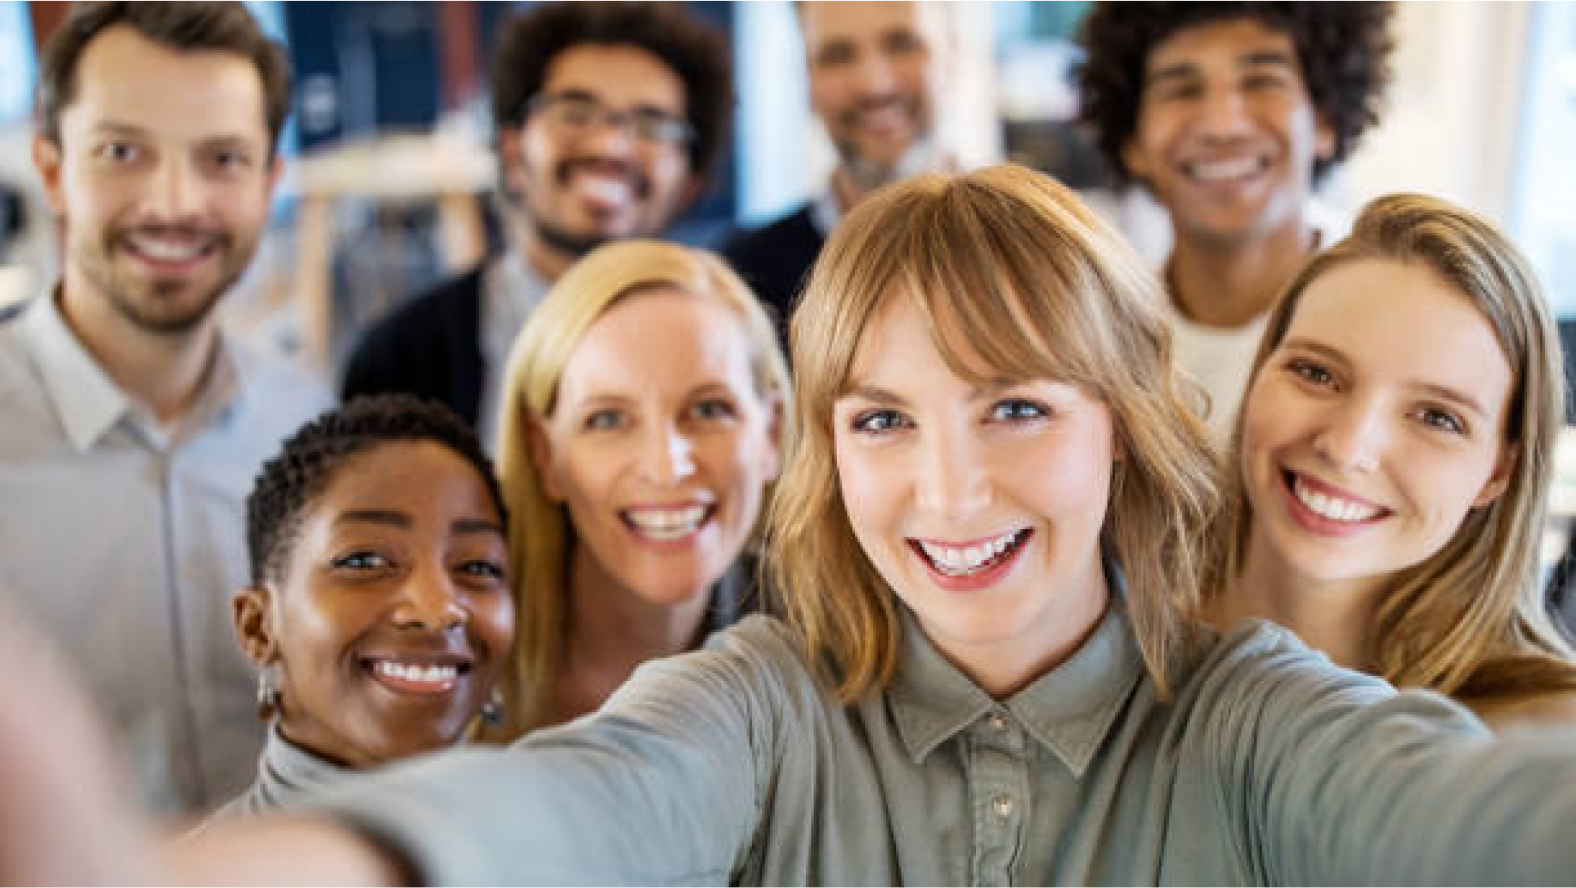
{"x":1069,"y":710}
{"x":825,"y":213}
{"x":86,"y":399}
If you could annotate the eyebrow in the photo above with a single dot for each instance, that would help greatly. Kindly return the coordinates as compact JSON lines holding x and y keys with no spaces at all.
{"x":880,"y":395}
{"x":373,"y":516}
{"x":1184,"y":69}
{"x":586,"y":95}
{"x":1443,"y":392}
{"x":476,"y":525}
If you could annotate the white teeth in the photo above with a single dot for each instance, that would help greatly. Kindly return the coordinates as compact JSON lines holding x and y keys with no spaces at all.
{"x":436,"y":674}
{"x":667,"y":524}
{"x":958,"y":561}
{"x":1216,"y":170}
{"x":1331,"y":507}
{"x":167,"y":251}
{"x":605,"y":189}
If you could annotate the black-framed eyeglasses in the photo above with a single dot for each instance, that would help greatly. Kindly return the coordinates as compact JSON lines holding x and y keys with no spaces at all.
{"x":577,"y":115}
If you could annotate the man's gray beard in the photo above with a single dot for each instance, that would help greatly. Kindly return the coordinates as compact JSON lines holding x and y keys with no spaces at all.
{"x":920,"y":157}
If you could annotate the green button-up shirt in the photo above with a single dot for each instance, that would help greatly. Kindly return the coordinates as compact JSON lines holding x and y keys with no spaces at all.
{"x":736,"y":764}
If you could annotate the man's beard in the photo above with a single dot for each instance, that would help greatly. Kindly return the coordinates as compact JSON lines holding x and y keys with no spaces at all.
{"x":571,"y":243}
{"x":145,"y":314}
{"x":920,"y":157}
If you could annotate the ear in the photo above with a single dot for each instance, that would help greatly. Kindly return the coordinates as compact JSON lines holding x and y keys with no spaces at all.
{"x":694,"y":187}
{"x":48,"y":161}
{"x":511,"y":143}
{"x":276,"y":168}
{"x":773,"y":456}
{"x":1497,"y":482}
{"x":1134,"y":160}
{"x":251,"y":612}
{"x":542,"y":457}
{"x":1324,"y":138}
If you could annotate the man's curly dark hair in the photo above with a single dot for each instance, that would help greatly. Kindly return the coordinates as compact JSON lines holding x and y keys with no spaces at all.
{"x":287,"y":484}
{"x":694,"y":50}
{"x":1343,"y":49}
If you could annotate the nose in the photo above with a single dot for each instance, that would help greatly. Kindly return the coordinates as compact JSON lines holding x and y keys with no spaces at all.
{"x":176,"y":193}
{"x":1353,"y":436}
{"x":428,"y":600}
{"x":1223,"y":112}
{"x":611,"y":135}
{"x":952,"y":481}
{"x":874,"y":75}
{"x":667,"y":455}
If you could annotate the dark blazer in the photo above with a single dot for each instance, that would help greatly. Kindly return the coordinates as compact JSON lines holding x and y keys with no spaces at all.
{"x":775,"y":260}
{"x":429,"y":347}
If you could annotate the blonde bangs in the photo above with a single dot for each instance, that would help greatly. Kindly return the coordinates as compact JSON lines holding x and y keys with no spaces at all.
{"x":1015,"y":280}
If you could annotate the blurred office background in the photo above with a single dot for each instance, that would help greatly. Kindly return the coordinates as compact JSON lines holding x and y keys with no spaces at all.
{"x":391,"y":166}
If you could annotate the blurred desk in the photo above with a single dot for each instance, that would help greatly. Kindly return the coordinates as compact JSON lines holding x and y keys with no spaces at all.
{"x":388,"y":168}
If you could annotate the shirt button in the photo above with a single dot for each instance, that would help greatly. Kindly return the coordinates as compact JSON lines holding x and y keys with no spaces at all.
{"x":997,"y":721}
{"x":1002,"y":805}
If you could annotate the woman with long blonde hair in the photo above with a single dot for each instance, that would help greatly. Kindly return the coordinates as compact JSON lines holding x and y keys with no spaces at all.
{"x":991,"y":670}
{"x":643,"y":405}
{"x":1393,"y":461}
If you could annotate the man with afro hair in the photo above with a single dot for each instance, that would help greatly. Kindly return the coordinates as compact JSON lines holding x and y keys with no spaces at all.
{"x":1229,"y":114}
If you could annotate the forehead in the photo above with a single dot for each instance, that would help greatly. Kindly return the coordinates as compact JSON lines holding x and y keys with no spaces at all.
{"x":1413,"y":322}
{"x":826,"y":22}
{"x":1230,"y":41}
{"x":126,"y":79}
{"x":900,"y":344}
{"x":411,"y":476}
{"x":660,"y":341}
{"x":619,"y":75}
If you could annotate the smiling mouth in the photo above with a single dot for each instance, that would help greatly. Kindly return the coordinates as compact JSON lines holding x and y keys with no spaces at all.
{"x":977,"y":558}
{"x":169,"y":251}
{"x":1236,"y":169}
{"x":418,"y":677}
{"x":667,"y":525}
{"x":1330,"y":506}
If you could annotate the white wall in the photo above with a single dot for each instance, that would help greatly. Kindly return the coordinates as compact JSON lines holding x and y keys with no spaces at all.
{"x":1450,"y":123}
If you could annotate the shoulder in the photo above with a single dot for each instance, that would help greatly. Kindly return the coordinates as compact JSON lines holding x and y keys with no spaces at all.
{"x":795,"y":226}
{"x":1550,"y":709}
{"x":1261,"y":673}
{"x":452,"y":301}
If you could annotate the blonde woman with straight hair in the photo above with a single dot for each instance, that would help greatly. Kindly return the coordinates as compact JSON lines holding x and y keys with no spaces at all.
{"x":990,"y":671}
{"x":1393,"y":462}
{"x":626,"y":548}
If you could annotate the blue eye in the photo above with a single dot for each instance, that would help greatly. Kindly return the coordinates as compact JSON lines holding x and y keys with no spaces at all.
{"x":604,"y":419}
{"x":713,"y":408}
{"x":1310,"y":371}
{"x":877,"y":421}
{"x":1017,"y":410}
{"x":1443,"y":420}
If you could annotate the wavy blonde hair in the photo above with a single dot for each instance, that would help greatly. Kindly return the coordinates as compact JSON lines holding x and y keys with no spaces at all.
{"x":1470,"y":620}
{"x":1017,"y":268}
{"x":541,"y":536}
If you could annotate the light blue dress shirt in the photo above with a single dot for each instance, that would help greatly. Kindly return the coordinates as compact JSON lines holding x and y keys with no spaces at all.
{"x":125,"y":542}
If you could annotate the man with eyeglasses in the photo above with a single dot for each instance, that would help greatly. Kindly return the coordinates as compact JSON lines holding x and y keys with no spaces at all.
{"x":608,"y":117}
{"x":874,"y":69}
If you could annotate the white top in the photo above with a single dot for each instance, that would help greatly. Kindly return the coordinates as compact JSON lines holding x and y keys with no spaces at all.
{"x":125,"y":542}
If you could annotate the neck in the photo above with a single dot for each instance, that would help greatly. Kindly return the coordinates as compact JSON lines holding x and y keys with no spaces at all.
{"x":1332,"y":616}
{"x":162,"y":371}
{"x":1229,"y":283}
{"x":545,"y":259}
{"x":612,"y":630}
